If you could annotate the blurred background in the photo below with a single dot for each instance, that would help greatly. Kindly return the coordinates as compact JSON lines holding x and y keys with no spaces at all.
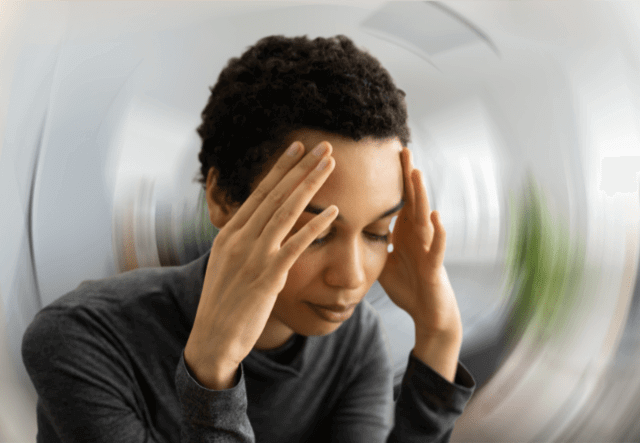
{"x":525,"y":122}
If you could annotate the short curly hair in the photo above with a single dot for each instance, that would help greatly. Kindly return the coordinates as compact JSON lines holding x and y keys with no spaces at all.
{"x":283,"y":84}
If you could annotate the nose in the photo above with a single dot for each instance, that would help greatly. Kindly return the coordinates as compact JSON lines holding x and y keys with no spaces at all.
{"x":347,"y":266}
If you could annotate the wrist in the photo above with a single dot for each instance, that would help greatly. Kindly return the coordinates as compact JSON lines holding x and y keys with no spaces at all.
{"x":220,"y":380}
{"x":214,"y":375}
{"x":443,"y":337}
{"x":439,"y":351}
{"x":443,"y":324}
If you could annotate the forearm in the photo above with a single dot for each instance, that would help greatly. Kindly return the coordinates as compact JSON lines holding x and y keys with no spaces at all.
{"x":438,"y":328}
{"x":212,"y":375}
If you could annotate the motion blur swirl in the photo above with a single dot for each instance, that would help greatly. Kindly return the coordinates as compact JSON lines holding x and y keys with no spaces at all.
{"x":524,"y":120}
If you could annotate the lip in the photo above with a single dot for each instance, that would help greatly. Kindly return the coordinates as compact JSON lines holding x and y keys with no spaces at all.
{"x":333,"y":313}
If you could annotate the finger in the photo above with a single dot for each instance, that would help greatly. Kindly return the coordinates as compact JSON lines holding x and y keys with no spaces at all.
{"x":297,"y":243}
{"x":288,"y":213}
{"x":422,"y":207}
{"x":275,"y":188}
{"x":408,"y":184}
{"x":439,"y":242}
{"x":286,"y":161}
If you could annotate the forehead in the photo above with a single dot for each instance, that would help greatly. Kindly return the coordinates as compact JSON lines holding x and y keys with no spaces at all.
{"x":367,"y":178}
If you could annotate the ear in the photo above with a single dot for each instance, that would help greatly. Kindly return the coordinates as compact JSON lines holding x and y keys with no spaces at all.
{"x":219,"y":211}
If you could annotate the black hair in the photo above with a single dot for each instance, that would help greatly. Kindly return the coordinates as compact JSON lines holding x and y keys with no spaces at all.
{"x":283,"y":84}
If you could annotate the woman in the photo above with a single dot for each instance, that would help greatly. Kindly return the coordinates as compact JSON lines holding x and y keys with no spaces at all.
{"x":266,"y":337}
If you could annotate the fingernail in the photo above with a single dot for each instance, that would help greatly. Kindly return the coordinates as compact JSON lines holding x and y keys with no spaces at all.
{"x":293,"y":149}
{"x":330,"y":211}
{"x":320,"y":149}
{"x":323,"y":164}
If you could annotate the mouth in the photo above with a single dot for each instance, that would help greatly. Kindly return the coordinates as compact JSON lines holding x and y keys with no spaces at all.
{"x":333,"y":313}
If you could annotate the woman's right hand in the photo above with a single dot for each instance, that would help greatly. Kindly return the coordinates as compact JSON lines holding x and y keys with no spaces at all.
{"x":249,"y":264}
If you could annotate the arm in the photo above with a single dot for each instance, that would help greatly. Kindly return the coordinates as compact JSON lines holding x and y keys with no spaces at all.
{"x":80,"y":369}
{"x":416,"y":280}
{"x":213,"y":413}
{"x":82,"y":386}
{"x":86,"y":391}
{"x":439,"y":331}
{"x":250,"y":260}
{"x":429,"y":404}
{"x":426,"y":408}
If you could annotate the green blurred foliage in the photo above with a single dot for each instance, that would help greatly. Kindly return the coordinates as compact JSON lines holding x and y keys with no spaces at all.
{"x":545,"y":266}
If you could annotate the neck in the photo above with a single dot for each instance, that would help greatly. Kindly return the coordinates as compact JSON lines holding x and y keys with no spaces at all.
{"x":274,"y":335}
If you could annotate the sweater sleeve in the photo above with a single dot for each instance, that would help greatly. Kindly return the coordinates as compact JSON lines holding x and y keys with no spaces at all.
{"x":84,"y":390}
{"x":212,"y":416}
{"x":428,"y":404}
{"x":81,"y":385}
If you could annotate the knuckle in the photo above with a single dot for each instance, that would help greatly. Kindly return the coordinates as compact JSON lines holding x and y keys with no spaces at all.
{"x":282,"y":167}
{"x":288,"y":248}
{"x":223,"y":236}
{"x":310,"y":184}
{"x":260,"y":193}
{"x":276,"y":198}
{"x":219,"y":242}
{"x":283,"y":214}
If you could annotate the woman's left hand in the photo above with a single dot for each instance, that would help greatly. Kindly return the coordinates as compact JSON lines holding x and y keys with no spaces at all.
{"x":414,"y":276}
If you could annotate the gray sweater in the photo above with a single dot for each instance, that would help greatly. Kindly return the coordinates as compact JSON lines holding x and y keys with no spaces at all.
{"x":107,"y":363}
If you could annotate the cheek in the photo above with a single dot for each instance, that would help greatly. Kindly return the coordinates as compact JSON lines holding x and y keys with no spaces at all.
{"x":304,"y":271}
{"x":378,"y":259}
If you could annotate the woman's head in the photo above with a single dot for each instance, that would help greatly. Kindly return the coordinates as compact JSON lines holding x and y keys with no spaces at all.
{"x":283,"y":84}
{"x":287,"y":89}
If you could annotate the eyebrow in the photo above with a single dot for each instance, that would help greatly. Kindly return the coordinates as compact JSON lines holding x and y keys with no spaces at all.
{"x":317,"y":210}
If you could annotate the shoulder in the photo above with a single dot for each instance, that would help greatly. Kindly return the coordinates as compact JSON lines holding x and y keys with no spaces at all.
{"x":117,"y":289}
{"x":107,"y":306}
{"x":132,"y":285}
{"x":96,"y":298}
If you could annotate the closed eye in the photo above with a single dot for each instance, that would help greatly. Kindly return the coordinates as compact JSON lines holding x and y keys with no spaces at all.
{"x":375,"y":238}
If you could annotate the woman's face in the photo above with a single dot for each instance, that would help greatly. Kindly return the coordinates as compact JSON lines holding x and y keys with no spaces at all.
{"x":349,"y":256}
